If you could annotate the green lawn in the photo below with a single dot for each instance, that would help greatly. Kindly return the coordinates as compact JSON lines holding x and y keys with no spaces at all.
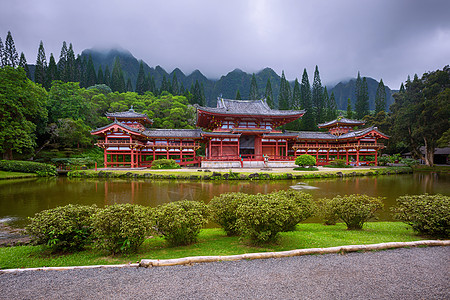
{"x":215,"y":242}
{"x":12,"y":175}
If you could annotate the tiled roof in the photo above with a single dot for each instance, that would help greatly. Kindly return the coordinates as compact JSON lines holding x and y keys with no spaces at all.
{"x":118,"y":123}
{"x":360,"y":132}
{"x":343,"y":121}
{"x":130,"y":114}
{"x":316,"y":135}
{"x":248,"y":107}
{"x":173,"y":133}
{"x":280,"y":134}
{"x":205,"y":133}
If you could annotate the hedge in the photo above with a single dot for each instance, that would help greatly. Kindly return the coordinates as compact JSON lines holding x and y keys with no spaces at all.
{"x":28,"y":167}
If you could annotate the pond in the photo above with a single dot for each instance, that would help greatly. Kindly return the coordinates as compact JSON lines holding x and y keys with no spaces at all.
{"x":22,"y":198}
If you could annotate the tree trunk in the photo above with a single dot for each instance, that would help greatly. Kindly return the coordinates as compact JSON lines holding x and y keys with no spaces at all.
{"x":8,"y":155}
{"x":429,"y":153}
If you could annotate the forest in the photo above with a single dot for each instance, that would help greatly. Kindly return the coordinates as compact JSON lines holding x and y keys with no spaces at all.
{"x":52,"y":109}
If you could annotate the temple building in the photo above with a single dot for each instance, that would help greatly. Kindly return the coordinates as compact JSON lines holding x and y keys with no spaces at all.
{"x":235,"y":134}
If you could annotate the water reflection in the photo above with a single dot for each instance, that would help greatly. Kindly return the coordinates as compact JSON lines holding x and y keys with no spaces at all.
{"x":21,"y":198}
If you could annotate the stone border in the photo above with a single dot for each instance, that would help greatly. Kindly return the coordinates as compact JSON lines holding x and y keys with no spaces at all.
{"x":263,"y":255}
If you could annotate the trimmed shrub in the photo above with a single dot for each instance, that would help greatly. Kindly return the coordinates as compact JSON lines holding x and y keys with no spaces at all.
{"x":262,"y":217}
{"x":355,"y":210}
{"x":121,"y":228}
{"x":64,"y":228}
{"x":28,"y":167}
{"x":165,"y":164}
{"x":223,"y":211}
{"x":303,"y":201}
{"x":339,"y":163}
{"x":180,"y":222}
{"x":426,"y":214}
{"x":324,"y":210}
{"x":305,"y":160}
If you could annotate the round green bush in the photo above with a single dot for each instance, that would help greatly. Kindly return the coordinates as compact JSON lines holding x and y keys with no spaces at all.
{"x":165,"y":164}
{"x":262,"y":217}
{"x":341,"y":163}
{"x":305,"y":160}
{"x":64,"y":228}
{"x":426,"y":214}
{"x":180,"y":222}
{"x":355,"y":210}
{"x":325,"y":212}
{"x":121,"y":228}
{"x":223,"y":211}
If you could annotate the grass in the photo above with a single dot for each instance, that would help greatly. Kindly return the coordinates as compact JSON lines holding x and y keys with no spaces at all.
{"x":214,"y":242}
{"x":12,"y":175}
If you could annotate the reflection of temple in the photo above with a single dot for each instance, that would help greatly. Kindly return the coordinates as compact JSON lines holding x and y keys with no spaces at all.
{"x":236,"y":133}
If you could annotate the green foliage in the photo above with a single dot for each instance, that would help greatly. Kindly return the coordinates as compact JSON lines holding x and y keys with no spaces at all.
{"x":305,"y":160}
{"x":355,"y":210}
{"x":28,"y":167}
{"x":223,"y":211}
{"x":426,"y":214}
{"x":340,"y":163}
{"x":180,"y":222}
{"x":64,"y":228}
{"x":121,"y":228}
{"x":262,"y":217}
{"x":165,"y":164}
{"x":284,"y":97}
{"x":380,"y":98}
{"x":324,"y":210}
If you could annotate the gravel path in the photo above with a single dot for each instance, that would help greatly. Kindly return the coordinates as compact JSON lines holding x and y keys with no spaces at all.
{"x":415,"y":273}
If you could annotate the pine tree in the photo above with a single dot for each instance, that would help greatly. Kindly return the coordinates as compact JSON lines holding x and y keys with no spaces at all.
{"x":253,"y":88}
{"x":117,"y":80}
{"x":402,"y":88}
{"x":129,"y":85}
{"x":91,"y":78}
{"x":164,"y":85}
{"x":152,"y":85}
{"x":380,"y":98}
{"x":317,"y":97}
{"x":182,"y":89}
{"x":140,"y":81}
{"x":362,"y":97}
{"x":41,"y":65}
{"x":331,"y":107}
{"x":10,"y":53}
{"x":100,"y":77}
{"x":285,"y":93}
{"x":107,"y":76}
{"x":268,"y":94}
{"x":238,"y":95}
{"x":23,"y":64}
{"x":175,"y":89}
{"x":70,"y":69}
{"x":296,"y":95}
{"x":202,"y":95}
{"x":51,"y":73}
{"x":307,"y":122}
{"x":2,"y":54}
{"x":349,"y":109}
{"x":196,"y":94}
{"x":62,"y":63}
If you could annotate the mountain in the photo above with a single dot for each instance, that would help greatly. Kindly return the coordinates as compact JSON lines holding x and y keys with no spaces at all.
{"x":346,"y":89}
{"x":228,"y":85}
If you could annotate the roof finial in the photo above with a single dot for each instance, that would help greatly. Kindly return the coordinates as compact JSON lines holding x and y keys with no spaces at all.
{"x":131,"y":109}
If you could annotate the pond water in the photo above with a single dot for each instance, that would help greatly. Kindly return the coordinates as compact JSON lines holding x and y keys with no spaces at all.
{"x":22,"y":198}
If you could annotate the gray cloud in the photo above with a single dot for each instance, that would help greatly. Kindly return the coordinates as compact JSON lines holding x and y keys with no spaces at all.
{"x":382,"y":39}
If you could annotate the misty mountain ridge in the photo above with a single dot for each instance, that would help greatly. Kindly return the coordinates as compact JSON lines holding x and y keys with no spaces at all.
{"x":227,"y":85}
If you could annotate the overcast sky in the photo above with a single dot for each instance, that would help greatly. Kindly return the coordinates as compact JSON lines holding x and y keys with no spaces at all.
{"x":388,"y":39}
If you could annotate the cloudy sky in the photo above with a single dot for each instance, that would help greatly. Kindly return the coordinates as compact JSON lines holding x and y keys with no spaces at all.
{"x":388,"y":39}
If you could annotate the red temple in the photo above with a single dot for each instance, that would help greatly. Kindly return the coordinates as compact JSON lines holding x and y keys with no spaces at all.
{"x":236,"y":133}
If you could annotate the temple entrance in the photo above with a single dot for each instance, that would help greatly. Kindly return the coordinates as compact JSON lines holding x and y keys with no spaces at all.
{"x":247,"y":146}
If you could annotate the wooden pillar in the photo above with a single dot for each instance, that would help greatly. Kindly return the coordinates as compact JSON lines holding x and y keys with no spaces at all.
{"x":105,"y":158}
{"x":286,"y":148}
{"x":357,"y":156}
{"x":221,"y":148}
{"x":276,"y":148}
{"x":237,"y":147}
{"x":346,"y":155}
{"x":209,"y":147}
{"x":376,"y":157}
{"x":132,"y":158}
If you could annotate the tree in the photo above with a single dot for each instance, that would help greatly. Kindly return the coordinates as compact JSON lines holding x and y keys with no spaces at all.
{"x":284,"y":97}
{"x":380,"y":98}
{"x":41,"y":66}
{"x":362,"y":98}
{"x":331,"y":106}
{"x":117,"y":80}
{"x":22,"y":107}
{"x":307,"y":122}
{"x":2,"y":55}
{"x":268,"y":94}
{"x":349,"y":114}
{"x":23,"y":64}
{"x":10,"y":53}
{"x":107,"y":76}
{"x":129,"y":85}
{"x":238,"y":95}
{"x":140,"y":81}
{"x":253,"y":88}
{"x":296,"y":95}
{"x":91,"y":78}
{"x":100,"y":77}
{"x":317,"y":98}
{"x":305,"y":160}
{"x":51,"y":73}
{"x":62,"y":63}
{"x":175,"y":89}
{"x":421,"y":113}
{"x":165,"y":85}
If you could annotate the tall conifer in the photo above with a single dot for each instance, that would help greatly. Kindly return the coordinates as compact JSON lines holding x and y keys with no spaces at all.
{"x":307,"y":122}
{"x":285,"y":93}
{"x":129,"y":85}
{"x":296,"y":95}
{"x":23,"y":64}
{"x":41,"y":66}
{"x":52,"y":72}
{"x":107,"y":76}
{"x":253,"y":88}
{"x":117,"y":80}
{"x":62,"y":63}
{"x":91,"y":77}
{"x":349,"y":109}
{"x":175,"y":89}
{"x":380,"y":98}
{"x":2,"y":54}
{"x":362,"y":97}
{"x":268,"y":94}
{"x":165,"y":85}
{"x":238,"y":95}
{"x":100,"y":76}
{"x":140,"y":81}
{"x":317,"y":98}
{"x":331,"y":107}
{"x":10,"y":53}
{"x":70,"y":68}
